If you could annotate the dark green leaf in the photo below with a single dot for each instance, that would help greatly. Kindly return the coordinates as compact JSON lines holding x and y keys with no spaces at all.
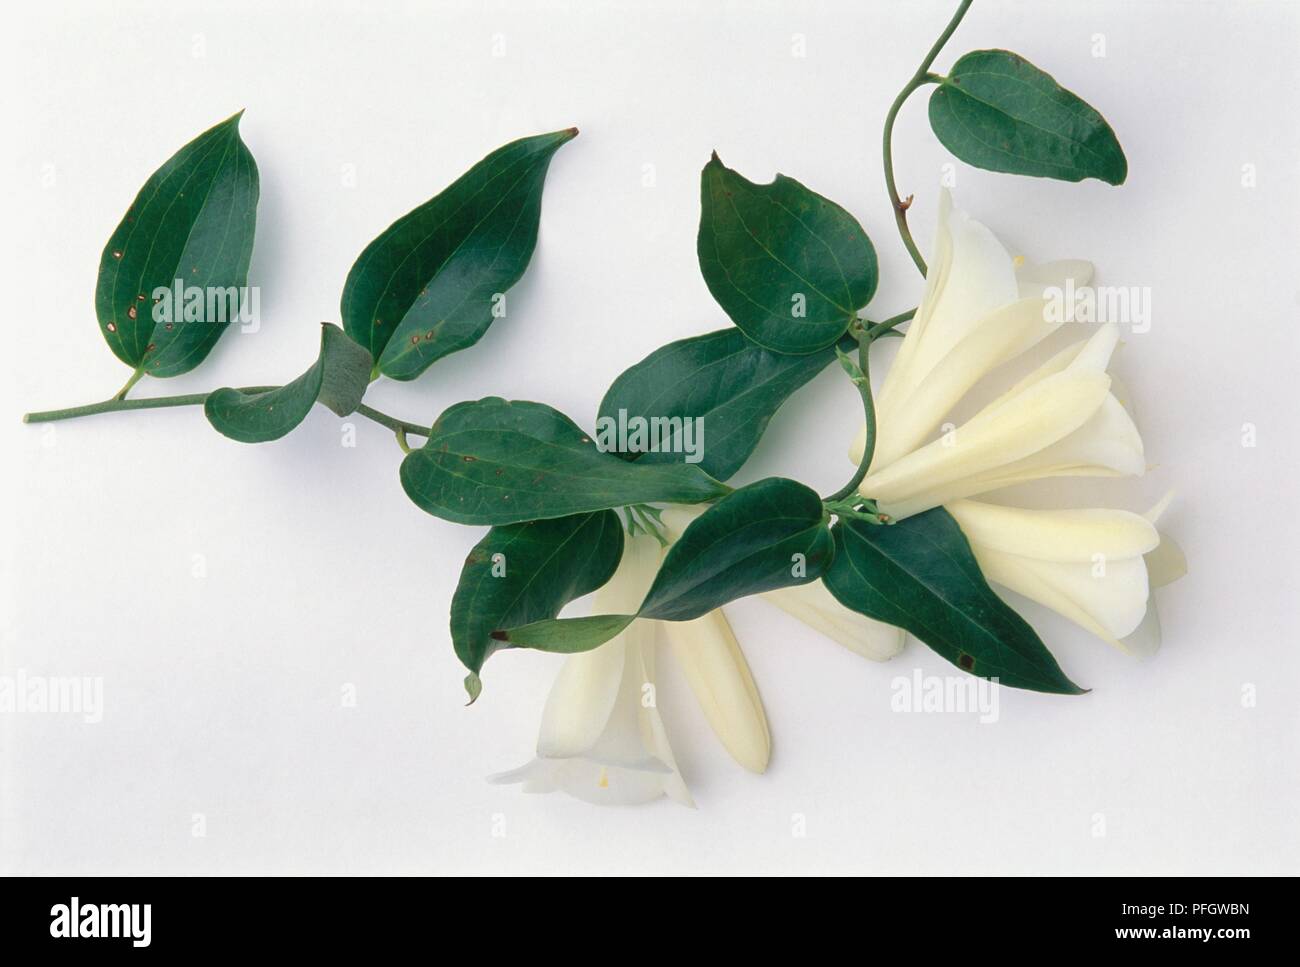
{"x":526,"y":572}
{"x":770,"y":534}
{"x":920,"y":575}
{"x":790,"y":268}
{"x":428,"y":286}
{"x":193,"y":220}
{"x":338,"y":379}
{"x":493,"y":461}
{"x":726,"y":384}
{"x":999,"y":112}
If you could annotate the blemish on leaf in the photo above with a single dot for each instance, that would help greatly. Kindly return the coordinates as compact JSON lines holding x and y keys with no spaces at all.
{"x":117,"y":254}
{"x":967,"y":662}
{"x":500,"y":636}
{"x":130,"y":312}
{"x":111,"y":327}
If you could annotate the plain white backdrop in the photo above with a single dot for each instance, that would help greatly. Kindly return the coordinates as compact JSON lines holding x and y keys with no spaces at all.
{"x":230,"y":597}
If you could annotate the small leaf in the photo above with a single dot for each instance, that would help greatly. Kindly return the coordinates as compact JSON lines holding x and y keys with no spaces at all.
{"x":192,"y":221}
{"x":920,"y":575}
{"x":431,"y":283}
{"x":526,"y":572}
{"x":790,"y":267}
{"x":493,"y":461}
{"x":771,"y":534}
{"x":338,"y":379}
{"x":999,"y":112}
{"x":728,"y":387}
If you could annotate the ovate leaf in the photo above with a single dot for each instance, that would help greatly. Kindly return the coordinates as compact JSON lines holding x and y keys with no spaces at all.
{"x":921,"y":575}
{"x":790,"y":267}
{"x":712,"y":394}
{"x":770,"y":534}
{"x":997,"y":111}
{"x":192,"y":221}
{"x":431,"y":283}
{"x":493,"y":461}
{"x":527,"y":572}
{"x":338,"y":379}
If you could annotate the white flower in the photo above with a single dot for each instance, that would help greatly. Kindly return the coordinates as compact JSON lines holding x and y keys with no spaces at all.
{"x":602,"y":739}
{"x":977,"y":313}
{"x":1095,"y":566}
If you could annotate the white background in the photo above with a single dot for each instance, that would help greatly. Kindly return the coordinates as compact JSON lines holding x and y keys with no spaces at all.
{"x":223,"y":693}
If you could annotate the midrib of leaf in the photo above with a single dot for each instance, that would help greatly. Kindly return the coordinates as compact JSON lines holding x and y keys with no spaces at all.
{"x":192,"y":348}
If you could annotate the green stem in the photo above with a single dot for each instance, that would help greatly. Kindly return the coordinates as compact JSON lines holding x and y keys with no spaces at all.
{"x":118,"y":405}
{"x":869,"y":409}
{"x":919,"y":79}
{"x":135,"y":378}
{"x":876,"y":330}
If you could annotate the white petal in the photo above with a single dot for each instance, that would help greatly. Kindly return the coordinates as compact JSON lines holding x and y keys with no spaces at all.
{"x":1110,"y":606}
{"x":583,"y":696}
{"x":816,"y":607}
{"x":1033,"y":280}
{"x":998,"y":337}
{"x":970,"y":275}
{"x":1056,"y":535}
{"x":1014,"y":430}
{"x":719,"y":676}
{"x":1144,"y":642}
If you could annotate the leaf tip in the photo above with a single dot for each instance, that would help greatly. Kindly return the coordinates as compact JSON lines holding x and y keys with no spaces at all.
{"x":473,"y":688}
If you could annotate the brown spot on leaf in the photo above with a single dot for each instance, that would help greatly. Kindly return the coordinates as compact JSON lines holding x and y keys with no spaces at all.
{"x":966,"y":661}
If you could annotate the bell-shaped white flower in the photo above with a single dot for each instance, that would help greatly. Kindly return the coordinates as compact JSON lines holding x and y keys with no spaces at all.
{"x":979,"y":310}
{"x":602,"y":739}
{"x":1061,"y":420}
{"x":1094,"y":566}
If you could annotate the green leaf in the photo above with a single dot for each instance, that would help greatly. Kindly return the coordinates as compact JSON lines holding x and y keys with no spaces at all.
{"x":338,"y":379}
{"x":526,"y":572}
{"x":920,"y":575}
{"x":790,"y":268}
{"x":493,"y":461}
{"x":728,"y":387}
{"x":430,"y":285}
{"x":193,"y":220}
{"x":770,"y":534}
{"x":999,"y":112}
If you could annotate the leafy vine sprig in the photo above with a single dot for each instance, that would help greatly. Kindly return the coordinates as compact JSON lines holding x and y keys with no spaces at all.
{"x":793,"y":271}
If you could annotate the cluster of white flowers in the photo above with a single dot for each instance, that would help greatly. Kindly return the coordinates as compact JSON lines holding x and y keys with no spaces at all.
{"x":603,"y":740}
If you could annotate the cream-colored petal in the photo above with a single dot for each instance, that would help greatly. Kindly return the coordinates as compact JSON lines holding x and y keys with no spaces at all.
{"x":580,"y":702}
{"x":1055,"y":535}
{"x":719,"y":676}
{"x":1144,"y":642}
{"x":1110,"y":605}
{"x":1040,"y":416}
{"x":1035,"y":280}
{"x":816,"y":607}
{"x":1106,"y":445}
{"x":998,"y":337}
